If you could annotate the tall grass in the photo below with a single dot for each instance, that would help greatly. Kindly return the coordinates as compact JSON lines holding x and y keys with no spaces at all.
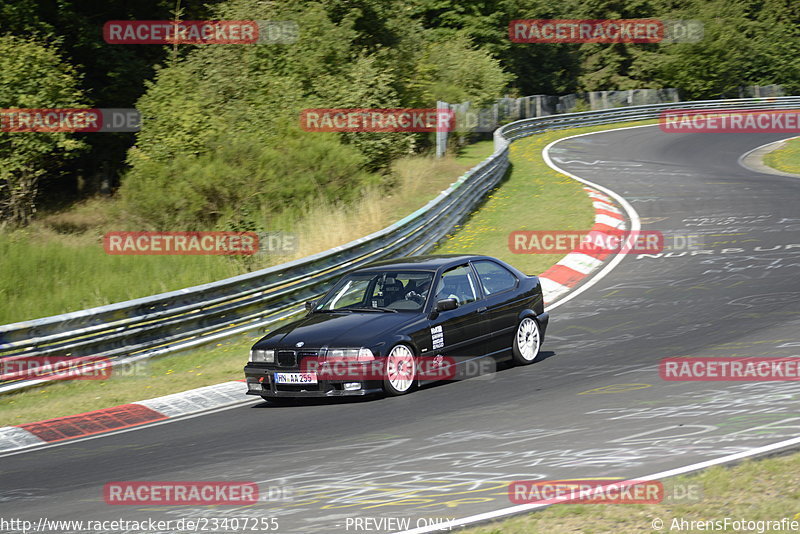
{"x":58,"y":264}
{"x":42,"y":275}
{"x":417,"y":181}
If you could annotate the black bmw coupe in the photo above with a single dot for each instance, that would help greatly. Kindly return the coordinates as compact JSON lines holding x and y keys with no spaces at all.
{"x":396,"y":323}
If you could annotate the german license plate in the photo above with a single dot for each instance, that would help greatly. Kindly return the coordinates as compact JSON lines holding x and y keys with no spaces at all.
{"x":295,"y":378}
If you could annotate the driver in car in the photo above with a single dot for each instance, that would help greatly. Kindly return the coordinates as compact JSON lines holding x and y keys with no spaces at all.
{"x":418,"y":293}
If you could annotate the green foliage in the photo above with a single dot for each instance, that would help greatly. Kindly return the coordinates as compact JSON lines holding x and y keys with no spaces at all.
{"x":222,"y":121}
{"x":112,"y":76}
{"x":454,"y":71}
{"x":746,"y":42}
{"x":32,"y":75}
{"x":242,"y":180}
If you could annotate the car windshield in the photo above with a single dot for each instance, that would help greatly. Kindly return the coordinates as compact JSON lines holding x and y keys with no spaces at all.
{"x":379,"y":291}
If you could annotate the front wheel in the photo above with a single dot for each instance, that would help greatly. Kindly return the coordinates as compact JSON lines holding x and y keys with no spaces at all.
{"x":527,"y":341}
{"x":401,"y":371}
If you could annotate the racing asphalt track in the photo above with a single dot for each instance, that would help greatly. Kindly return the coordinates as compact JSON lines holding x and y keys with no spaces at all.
{"x":450,"y":450}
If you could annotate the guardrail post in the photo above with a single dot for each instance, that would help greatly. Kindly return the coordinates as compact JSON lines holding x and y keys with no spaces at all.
{"x":441,"y":136}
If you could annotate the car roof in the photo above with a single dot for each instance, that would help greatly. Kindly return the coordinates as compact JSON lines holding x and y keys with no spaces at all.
{"x":430,"y":262}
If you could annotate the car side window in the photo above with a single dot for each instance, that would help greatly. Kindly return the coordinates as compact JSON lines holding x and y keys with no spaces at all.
{"x":494,"y":278}
{"x":457,"y":283}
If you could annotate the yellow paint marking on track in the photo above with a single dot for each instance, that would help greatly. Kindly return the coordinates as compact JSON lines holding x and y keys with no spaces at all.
{"x":615,"y":388}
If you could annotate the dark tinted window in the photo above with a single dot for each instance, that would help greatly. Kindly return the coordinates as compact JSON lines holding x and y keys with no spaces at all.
{"x":494,"y":278}
{"x":457,"y":283}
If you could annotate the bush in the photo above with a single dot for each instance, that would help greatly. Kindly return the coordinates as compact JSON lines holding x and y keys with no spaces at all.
{"x":241,"y":181}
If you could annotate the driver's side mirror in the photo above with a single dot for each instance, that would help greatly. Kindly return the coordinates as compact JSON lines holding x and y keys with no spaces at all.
{"x":310,"y":304}
{"x":446,"y":305}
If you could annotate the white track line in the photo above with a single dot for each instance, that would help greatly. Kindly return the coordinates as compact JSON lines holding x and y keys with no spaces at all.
{"x":636,"y":224}
{"x":522,"y":508}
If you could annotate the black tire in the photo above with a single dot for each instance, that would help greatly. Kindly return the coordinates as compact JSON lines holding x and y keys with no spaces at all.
{"x":527,"y":341}
{"x":399,"y":377}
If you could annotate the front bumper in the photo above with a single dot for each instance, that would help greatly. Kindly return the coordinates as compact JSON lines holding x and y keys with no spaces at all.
{"x":261,"y":381}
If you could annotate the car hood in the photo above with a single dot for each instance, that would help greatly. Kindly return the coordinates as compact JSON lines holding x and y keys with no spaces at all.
{"x":336,"y":329}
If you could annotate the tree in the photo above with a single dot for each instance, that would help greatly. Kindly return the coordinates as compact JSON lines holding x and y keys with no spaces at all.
{"x":33,"y":75}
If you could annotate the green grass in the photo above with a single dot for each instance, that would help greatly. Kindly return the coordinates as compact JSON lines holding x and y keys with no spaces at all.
{"x":533,"y":197}
{"x":787,"y":158}
{"x":756,"y":490}
{"x":476,"y":152}
{"x":48,"y":276}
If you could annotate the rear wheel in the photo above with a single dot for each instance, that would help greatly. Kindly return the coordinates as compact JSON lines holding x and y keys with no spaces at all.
{"x":401,"y":371}
{"x":527,"y":341}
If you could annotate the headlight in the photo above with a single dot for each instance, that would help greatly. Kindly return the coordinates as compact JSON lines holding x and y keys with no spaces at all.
{"x":262,"y":356}
{"x":359,"y":355}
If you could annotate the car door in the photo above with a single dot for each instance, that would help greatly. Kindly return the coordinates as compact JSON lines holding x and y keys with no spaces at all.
{"x":461,"y":332}
{"x":502,"y":301}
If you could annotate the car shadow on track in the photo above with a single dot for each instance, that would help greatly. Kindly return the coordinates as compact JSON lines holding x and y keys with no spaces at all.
{"x":507,"y":365}
{"x":543,"y":355}
{"x":315,"y":401}
{"x":328,"y":401}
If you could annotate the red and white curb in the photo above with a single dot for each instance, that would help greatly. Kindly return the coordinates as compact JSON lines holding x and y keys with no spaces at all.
{"x":575,"y":266}
{"x":122,"y":417}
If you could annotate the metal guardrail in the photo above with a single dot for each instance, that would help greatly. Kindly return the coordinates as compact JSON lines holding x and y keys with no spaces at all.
{"x":526,"y":127}
{"x":149,"y":326}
